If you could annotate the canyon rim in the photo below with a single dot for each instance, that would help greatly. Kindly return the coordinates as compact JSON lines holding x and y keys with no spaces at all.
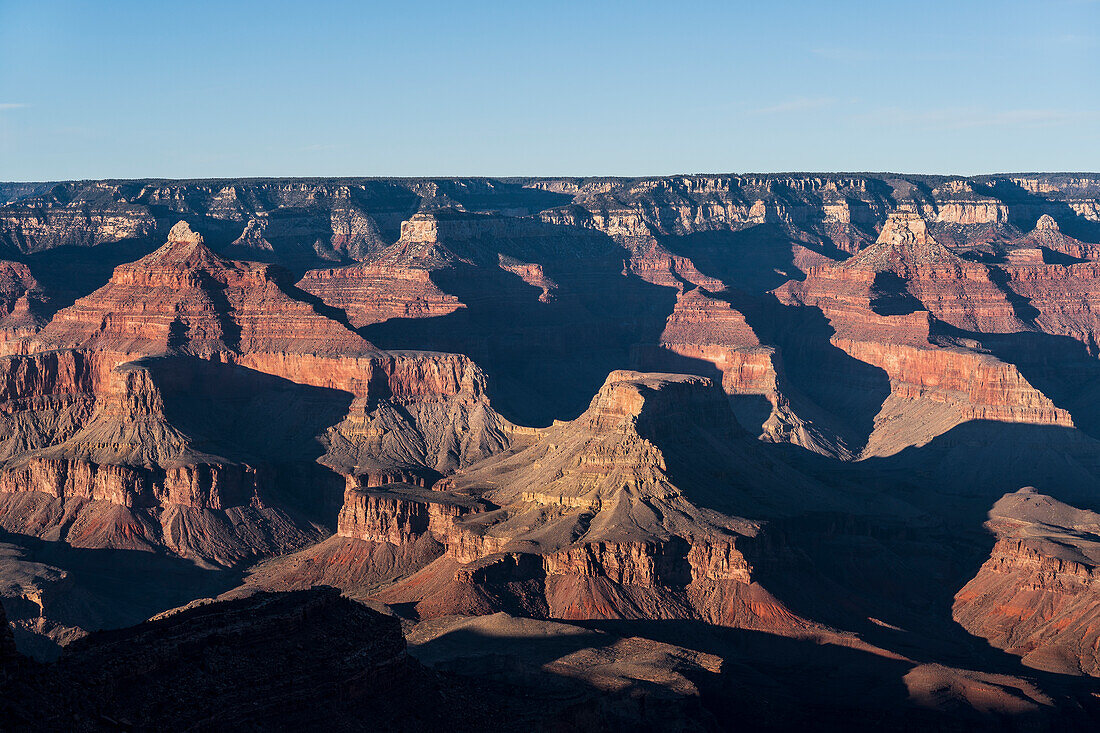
{"x":416,"y":367}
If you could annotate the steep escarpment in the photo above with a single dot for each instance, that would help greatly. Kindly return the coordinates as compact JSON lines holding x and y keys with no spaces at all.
{"x":532,"y":303}
{"x":23,"y":302}
{"x":178,"y":405}
{"x":709,"y":329}
{"x":398,"y":281}
{"x":185,"y":299}
{"x":415,"y":390}
{"x":632,"y":510}
{"x":888,"y":306}
{"x":1037,"y":594}
{"x":303,"y":220}
{"x":129,"y":476}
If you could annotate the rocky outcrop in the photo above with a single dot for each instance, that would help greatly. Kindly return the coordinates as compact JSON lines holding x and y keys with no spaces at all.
{"x":185,"y":299}
{"x":883,"y":305}
{"x":376,"y":293}
{"x":401,"y":513}
{"x":604,"y":515}
{"x":706,"y":328}
{"x":111,"y":414}
{"x":23,"y":302}
{"x":1037,"y":594}
{"x":906,"y":269}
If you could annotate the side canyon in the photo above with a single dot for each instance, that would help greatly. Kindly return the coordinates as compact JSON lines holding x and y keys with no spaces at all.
{"x":750,"y":451}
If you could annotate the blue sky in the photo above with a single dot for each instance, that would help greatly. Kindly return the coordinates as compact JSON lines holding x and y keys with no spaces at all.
{"x":198,"y":89}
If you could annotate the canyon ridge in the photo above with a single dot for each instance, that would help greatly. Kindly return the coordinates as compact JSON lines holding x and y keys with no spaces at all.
{"x":746,"y":452}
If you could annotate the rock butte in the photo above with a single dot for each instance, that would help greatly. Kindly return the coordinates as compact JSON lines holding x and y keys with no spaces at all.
{"x":609,"y":452}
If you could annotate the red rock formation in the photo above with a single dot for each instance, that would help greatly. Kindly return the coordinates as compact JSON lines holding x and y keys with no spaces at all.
{"x":183,"y":298}
{"x":371,"y":293}
{"x":82,"y":424}
{"x":955,"y":291}
{"x":1067,"y":298}
{"x":400,"y":513}
{"x":1048,"y":235}
{"x":881,"y":304}
{"x":21,"y":301}
{"x":590,"y":515}
{"x":1038,"y":594}
{"x":707,"y":328}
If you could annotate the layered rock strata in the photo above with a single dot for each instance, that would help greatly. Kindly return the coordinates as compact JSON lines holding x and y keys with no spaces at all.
{"x":884,"y":304}
{"x":1038,"y":594}
{"x":93,"y":452}
{"x":630,"y":510}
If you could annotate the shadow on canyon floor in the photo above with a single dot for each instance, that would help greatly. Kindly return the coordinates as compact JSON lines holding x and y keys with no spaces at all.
{"x":1062,"y":368}
{"x":809,"y":366}
{"x":756,"y":259}
{"x":893,"y":579}
{"x":776,"y":683}
{"x":544,"y":360}
{"x":101,"y":588}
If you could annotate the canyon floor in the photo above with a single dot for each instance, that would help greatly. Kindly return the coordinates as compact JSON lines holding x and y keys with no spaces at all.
{"x":683,"y":453}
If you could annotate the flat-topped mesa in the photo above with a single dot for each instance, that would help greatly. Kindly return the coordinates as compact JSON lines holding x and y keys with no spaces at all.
{"x":707,"y":330}
{"x":399,"y":281}
{"x":183,"y":298}
{"x":374,"y":293}
{"x":1038,"y":594}
{"x":648,"y":404}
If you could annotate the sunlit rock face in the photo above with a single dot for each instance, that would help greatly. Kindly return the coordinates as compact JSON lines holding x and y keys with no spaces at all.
{"x":711,"y":443}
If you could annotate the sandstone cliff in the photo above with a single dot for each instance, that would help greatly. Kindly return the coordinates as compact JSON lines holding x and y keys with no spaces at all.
{"x":1036,"y":596}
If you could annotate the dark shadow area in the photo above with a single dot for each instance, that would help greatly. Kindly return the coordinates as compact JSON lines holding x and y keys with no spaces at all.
{"x":104,"y":588}
{"x":755,"y":259}
{"x":809,"y":366}
{"x":1025,"y":208}
{"x":854,"y":571}
{"x":751,"y":411}
{"x":1021,"y":306}
{"x":261,"y":420}
{"x":1062,"y":368}
{"x":231,"y":330}
{"x":69,"y":273}
{"x":890,"y":295}
{"x":544,"y":360}
{"x":975,"y":463}
{"x":844,"y":394}
{"x":775,"y":683}
{"x":1050,"y":257}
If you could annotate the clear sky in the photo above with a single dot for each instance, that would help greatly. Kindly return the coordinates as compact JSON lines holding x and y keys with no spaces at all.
{"x":191,"y":88}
